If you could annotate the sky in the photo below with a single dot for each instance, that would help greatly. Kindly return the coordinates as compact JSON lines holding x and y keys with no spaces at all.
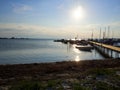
{"x":54,"y":18}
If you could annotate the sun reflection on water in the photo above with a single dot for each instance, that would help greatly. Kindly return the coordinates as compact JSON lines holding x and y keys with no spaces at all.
{"x":77,"y":58}
{"x":75,"y":49}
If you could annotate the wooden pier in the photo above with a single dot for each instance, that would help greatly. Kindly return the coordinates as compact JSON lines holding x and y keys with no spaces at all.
{"x":109,"y":50}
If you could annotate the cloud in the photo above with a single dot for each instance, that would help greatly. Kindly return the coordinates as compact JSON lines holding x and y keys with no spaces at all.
{"x":37,"y":31}
{"x":25,"y":29}
{"x":21,"y":8}
{"x":115,"y":24}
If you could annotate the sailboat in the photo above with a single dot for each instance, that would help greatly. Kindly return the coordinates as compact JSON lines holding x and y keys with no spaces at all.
{"x":84,"y":47}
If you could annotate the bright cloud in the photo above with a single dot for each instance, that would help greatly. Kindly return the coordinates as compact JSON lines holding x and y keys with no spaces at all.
{"x":25,"y":30}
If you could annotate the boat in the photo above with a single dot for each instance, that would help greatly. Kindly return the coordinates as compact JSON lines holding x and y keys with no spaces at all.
{"x":84,"y":48}
{"x":116,"y":44}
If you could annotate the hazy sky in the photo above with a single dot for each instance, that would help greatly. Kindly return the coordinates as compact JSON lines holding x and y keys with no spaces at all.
{"x":53,"y":18}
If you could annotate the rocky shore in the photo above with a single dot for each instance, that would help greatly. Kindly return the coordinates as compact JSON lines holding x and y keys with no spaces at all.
{"x":66,"y":75}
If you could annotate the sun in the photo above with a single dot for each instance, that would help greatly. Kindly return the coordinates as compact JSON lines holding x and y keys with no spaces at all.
{"x":78,"y":13}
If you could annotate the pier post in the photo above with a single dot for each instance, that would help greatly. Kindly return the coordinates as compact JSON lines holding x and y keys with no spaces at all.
{"x":107,"y":51}
{"x":117,"y":55}
{"x":111,"y":53}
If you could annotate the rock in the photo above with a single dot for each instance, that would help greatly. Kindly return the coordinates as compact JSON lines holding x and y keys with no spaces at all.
{"x":100,"y":77}
{"x":65,"y":85}
{"x":118,"y":73}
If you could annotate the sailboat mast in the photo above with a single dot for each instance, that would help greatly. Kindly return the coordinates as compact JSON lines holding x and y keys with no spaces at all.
{"x":92,"y":35}
{"x":108,"y":31}
{"x":100,"y":34}
{"x":105,"y":33}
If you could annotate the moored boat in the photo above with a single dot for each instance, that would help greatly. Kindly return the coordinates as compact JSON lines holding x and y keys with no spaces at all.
{"x":85,"y":48}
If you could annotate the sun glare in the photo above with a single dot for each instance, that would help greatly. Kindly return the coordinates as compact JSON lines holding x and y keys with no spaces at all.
{"x":77,"y":58}
{"x":78,"y":13}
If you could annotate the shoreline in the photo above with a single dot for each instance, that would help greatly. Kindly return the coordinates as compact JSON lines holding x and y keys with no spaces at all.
{"x":44,"y":72}
{"x":58,"y":66}
{"x":10,"y":64}
{"x":61,"y":62}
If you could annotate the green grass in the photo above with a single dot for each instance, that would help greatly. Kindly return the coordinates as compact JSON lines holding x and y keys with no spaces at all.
{"x":105,"y":86}
{"x":79,"y":87}
{"x":27,"y":86}
{"x":86,"y":83}
{"x":36,"y":85}
{"x":101,"y":71}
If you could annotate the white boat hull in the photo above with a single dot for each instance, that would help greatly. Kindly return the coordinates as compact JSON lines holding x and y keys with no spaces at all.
{"x":85,"y":48}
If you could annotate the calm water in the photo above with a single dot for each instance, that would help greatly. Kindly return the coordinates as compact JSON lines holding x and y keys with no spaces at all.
{"x":34,"y":51}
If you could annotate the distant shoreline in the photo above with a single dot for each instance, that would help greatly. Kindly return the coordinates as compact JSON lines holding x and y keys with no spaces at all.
{"x":28,"y":38}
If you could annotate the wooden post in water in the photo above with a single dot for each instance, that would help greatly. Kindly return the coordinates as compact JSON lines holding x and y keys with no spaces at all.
{"x":107,"y":51}
{"x":111,"y":53}
{"x":117,"y":55}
